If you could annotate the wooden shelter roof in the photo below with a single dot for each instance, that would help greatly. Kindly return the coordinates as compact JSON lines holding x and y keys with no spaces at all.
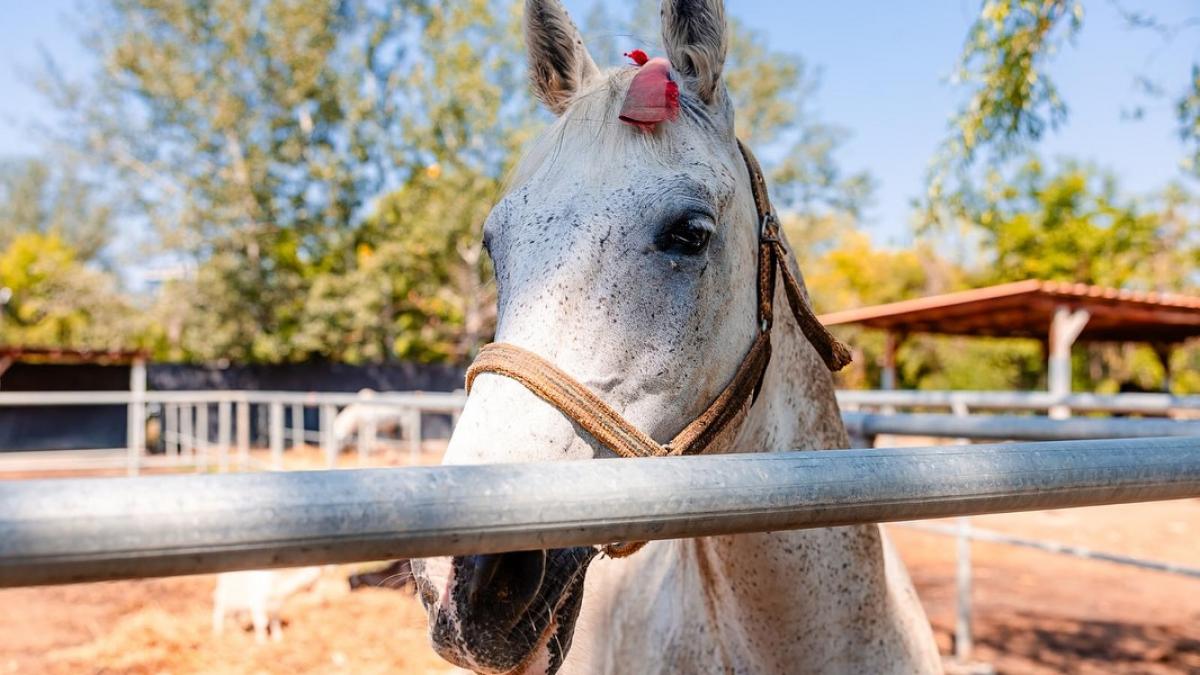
{"x":13,"y":353}
{"x":1026,"y":308}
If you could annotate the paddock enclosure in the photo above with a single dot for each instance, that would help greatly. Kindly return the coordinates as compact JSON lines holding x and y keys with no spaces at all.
{"x":1094,"y":589}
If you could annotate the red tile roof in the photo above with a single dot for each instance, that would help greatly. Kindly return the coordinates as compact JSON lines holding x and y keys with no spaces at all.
{"x":1025,"y":309}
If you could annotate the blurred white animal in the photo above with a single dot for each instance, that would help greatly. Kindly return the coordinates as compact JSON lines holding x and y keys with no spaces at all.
{"x":386,"y":418}
{"x":260,"y":594}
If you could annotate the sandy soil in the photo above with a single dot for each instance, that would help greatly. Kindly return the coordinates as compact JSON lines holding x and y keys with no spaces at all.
{"x":1041,"y":613}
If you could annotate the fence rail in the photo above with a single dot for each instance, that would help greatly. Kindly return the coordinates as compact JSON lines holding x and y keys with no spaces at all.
{"x":1150,"y":404}
{"x":86,"y":530}
{"x":430,"y":401}
{"x":1012,"y":427}
{"x":190,"y":440}
{"x":976,"y":534}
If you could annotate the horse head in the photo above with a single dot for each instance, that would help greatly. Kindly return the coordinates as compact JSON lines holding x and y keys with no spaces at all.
{"x":626,"y":254}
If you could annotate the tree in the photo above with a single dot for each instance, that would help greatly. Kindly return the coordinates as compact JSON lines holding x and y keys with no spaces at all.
{"x":257,"y":136}
{"x":58,"y":301}
{"x":53,"y":233}
{"x":1068,"y":225}
{"x":253,"y":136}
{"x":1011,"y":101}
{"x":34,"y":198}
{"x":418,"y":285}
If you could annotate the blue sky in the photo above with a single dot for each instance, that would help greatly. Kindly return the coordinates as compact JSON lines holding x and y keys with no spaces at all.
{"x":884,"y":66}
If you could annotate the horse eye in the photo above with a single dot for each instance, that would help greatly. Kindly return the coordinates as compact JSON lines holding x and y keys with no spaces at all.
{"x":686,"y":237}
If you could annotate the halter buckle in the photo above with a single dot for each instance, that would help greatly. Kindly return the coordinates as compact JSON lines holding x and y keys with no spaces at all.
{"x":768,"y":228}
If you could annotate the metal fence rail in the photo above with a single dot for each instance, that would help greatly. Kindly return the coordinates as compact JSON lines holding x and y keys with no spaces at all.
{"x":432,"y":401}
{"x":1012,"y":427}
{"x":1153,"y":404}
{"x":85,"y":530}
{"x":189,"y":440}
{"x":1047,"y":546}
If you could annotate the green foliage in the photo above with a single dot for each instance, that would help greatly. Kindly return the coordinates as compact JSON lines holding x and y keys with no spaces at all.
{"x":1070,"y":225}
{"x":1187,"y":110}
{"x":327,"y":167}
{"x":414,"y":282}
{"x":34,"y":199}
{"x":252,"y":135}
{"x":257,"y":138}
{"x":56,"y":300}
{"x":325,"y":170}
{"x":1012,"y":101}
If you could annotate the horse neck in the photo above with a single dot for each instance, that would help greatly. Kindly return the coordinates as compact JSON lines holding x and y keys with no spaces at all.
{"x":796,"y":408}
{"x":797,"y":601}
{"x":800,"y":582}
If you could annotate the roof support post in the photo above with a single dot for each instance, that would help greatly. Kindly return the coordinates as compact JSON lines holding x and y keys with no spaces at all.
{"x":136,"y":433}
{"x":1163,"y":351}
{"x":891,"y":344}
{"x":6,"y":362}
{"x":1064,"y":330}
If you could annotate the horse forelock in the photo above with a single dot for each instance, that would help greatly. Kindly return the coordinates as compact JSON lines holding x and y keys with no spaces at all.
{"x":591,"y":125}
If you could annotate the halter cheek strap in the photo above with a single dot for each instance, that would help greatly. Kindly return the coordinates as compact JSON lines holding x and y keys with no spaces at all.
{"x":616,"y":433}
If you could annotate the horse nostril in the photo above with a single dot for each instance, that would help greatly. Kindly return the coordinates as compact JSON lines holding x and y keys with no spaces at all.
{"x":503,"y":586}
{"x":483,"y":570}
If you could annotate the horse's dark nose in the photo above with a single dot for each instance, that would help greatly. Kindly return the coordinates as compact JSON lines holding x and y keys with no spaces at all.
{"x":500,"y":588}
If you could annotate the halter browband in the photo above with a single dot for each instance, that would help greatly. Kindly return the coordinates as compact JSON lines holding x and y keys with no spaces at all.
{"x":612,"y":430}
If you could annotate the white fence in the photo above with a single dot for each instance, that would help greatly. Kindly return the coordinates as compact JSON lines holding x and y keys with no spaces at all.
{"x":190,"y":439}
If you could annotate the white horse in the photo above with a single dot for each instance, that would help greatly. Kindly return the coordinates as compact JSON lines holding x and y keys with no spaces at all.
{"x":260,"y":594}
{"x":382,"y":417}
{"x":628,"y":259}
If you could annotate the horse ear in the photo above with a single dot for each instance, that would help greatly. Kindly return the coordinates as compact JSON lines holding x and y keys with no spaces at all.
{"x":559,"y":63}
{"x":694,"y":35}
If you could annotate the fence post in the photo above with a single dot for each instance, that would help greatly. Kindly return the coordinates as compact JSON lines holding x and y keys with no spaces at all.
{"x":243,"y":433}
{"x":297,"y":425}
{"x":186,"y":439}
{"x":366,"y":438}
{"x":202,"y":438}
{"x":135,"y":436}
{"x":170,"y":415}
{"x":224,"y":422}
{"x":276,"y":435}
{"x":328,"y":442}
{"x":414,"y":441}
{"x":964,"y":640}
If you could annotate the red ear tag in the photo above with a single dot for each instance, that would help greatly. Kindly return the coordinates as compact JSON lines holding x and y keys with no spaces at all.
{"x":653,"y":96}
{"x":638,"y":57}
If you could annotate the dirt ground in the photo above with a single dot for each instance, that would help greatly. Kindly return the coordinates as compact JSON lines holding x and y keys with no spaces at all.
{"x":1034,"y":612}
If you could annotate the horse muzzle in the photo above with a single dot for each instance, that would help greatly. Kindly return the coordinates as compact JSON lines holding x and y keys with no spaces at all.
{"x":509,"y":612}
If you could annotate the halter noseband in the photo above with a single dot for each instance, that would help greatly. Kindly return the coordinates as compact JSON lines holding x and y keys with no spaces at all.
{"x":612,"y":430}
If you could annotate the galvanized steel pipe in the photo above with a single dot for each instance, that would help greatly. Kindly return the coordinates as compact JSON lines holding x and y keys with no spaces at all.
{"x":62,"y":531}
{"x":1013,"y":427}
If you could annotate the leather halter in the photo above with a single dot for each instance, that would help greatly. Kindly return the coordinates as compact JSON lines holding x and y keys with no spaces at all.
{"x":612,"y":430}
